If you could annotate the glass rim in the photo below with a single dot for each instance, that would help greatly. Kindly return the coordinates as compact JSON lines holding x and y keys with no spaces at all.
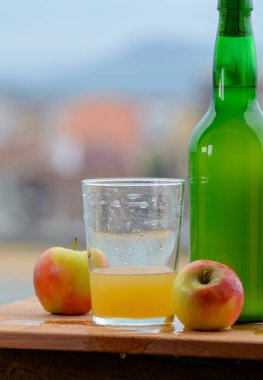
{"x":133,"y":182}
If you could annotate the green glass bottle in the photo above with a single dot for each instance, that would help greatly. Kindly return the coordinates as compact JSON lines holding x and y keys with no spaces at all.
{"x":226,"y":161}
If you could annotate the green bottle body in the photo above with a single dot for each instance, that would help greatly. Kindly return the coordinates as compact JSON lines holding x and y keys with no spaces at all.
{"x":226,"y":171}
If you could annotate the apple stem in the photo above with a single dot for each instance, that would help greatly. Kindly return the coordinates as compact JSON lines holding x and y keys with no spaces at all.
{"x":75,"y":243}
{"x":206,"y":277}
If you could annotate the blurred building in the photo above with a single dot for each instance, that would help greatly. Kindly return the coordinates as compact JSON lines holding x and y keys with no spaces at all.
{"x":96,"y":138}
{"x":47,"y":149}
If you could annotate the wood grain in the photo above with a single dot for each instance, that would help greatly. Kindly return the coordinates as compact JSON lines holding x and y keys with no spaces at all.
{"x":25,"y":325}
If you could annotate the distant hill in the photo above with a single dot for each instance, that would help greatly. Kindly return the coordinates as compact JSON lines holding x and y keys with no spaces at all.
{"x":164,"y":68}
{"x":155,"y":68}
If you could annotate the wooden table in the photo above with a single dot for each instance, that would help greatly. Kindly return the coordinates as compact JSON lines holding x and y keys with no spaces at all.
{"x":38,"y":345}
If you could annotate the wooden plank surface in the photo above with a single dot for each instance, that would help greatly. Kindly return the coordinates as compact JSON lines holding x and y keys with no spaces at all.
{"x":25,"y":325}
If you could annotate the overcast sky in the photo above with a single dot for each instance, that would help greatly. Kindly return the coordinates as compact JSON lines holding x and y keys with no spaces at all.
{"x":43,"y":35}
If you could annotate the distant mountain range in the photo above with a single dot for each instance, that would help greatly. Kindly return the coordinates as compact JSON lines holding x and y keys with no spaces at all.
{"x":156,"y":68}
{"x":162,"y":68}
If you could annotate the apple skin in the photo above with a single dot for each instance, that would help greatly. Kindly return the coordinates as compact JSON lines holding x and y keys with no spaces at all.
{"x":61,"y":279}
{"x":213,"y":305}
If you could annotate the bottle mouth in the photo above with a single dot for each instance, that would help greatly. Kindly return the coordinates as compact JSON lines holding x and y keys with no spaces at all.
{"x":239,"y":5}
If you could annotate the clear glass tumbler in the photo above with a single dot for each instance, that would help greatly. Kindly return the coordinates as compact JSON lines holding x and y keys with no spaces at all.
{"x":133,"y":235}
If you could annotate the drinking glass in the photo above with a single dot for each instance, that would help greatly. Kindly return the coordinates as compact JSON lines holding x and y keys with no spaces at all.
{"x":133,"y":236}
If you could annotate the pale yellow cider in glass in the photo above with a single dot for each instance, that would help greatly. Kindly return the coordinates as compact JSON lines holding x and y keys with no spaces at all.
{"x":132,"y":292}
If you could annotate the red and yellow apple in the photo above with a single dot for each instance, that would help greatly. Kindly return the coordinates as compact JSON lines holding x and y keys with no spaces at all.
{"x":61,"y":279}
{"x":207,"y":296}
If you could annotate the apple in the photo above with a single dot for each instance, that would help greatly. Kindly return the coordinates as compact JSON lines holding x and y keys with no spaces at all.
{"x":61,"y":279}
{"x":207,"y":295}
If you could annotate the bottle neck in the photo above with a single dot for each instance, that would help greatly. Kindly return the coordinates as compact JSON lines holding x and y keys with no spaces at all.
{"x":234,"y":74}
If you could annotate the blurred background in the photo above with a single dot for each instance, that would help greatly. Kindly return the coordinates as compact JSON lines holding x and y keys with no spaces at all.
{"x":88,"y":88}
